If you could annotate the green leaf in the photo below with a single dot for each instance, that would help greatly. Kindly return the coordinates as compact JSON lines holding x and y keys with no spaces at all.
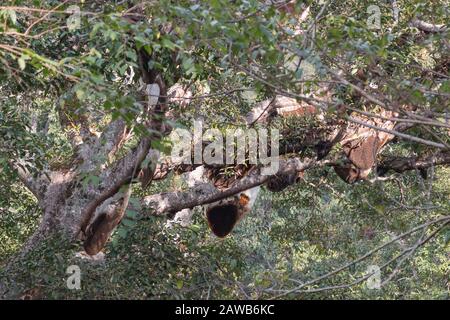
{"x":122,"y":232}
{"x":447,"y":236}
{"x":133,"y":214}
{"x":129,"y":223}
{"x":136,"y":203}
{"x":80,"y":94}
{"x":445,"y":87}
{"x":379,"y":208}
{"x":131,"y":54}
{"x":167,"y":43}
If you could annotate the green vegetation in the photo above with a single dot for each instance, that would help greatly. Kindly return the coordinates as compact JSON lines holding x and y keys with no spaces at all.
{"x":60,"y":80}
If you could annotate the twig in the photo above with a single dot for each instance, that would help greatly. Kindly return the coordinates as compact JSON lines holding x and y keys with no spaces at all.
{"x":445,"y":219}
{"x":398,"y":134}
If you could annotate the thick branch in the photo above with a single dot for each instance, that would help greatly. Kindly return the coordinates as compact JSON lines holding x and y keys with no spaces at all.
{"x":36,"y":185}
{"x":106,"y":146}
{"x":404,"y":164}
{"x":171,"y":202}
{"x":115,"y":178}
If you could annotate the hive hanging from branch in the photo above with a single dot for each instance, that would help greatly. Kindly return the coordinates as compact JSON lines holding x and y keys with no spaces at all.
{"x":222,"y":216}
{"x":361,"y":147}
{"x":107,"y":217}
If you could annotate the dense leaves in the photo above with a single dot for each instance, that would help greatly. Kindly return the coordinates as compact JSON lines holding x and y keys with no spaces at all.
{"x":69,"y":70}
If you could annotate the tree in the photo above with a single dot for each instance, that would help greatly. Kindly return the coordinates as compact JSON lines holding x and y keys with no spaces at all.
{"x":91,"y":93}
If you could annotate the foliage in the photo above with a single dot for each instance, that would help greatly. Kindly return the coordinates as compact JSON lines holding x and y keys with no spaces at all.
{"x":54,"y":76}
{"x":298,"y":235}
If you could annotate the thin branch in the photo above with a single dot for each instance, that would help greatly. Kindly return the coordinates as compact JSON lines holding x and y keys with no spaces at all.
{"x":27,"y":179}
{"x":396,"y":119}
{"x":445,"y":220}
{"x":398,"y":134}
{"x":44,"y":17}
{"x":428,"y":27}
{"x":400,"y":164}
{"x":170,"y":202}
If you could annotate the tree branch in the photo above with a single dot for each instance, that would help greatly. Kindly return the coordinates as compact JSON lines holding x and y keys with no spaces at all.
{"x":428,"y":27}
{"x":171,"y":202}
{"x":443,"y":220}
{"x":36,"y":186}
{"x":399,"y":134}
{"x":400,"y":165}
